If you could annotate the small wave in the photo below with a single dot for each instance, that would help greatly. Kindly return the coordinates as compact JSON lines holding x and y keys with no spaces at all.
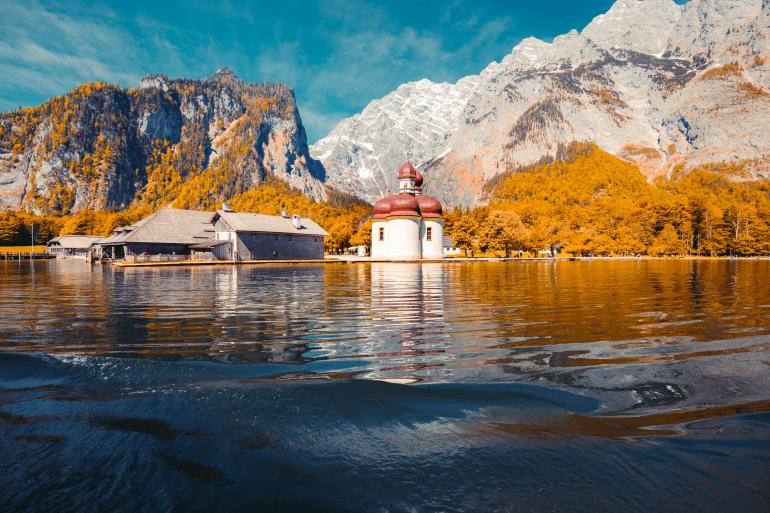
{"x":29,"y":371}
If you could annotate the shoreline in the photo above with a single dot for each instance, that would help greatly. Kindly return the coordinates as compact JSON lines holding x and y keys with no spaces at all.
{"x":365,"y":260}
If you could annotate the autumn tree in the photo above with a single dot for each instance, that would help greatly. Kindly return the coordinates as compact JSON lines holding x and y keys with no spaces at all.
{"x":464,"y":230}
{"x":10,"y":228}
{"x":503,"y":231}
{"x":667,"y":242}
{"x":363,"y":236}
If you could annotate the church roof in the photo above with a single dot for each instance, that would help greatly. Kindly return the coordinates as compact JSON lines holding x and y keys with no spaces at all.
{"x":408,"y":171}
{"x":407,"y":202}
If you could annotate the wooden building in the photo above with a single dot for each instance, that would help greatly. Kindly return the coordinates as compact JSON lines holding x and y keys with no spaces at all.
{"x":262,"y":237}
{"x":450,"y":249}
{"x":168,"y":234}
{"x":73,"y":246}
{"x":172,"y":234}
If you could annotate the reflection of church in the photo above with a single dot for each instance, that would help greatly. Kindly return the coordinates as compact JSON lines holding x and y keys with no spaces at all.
{"x":407,"y":340}
{"x":408,"y":225}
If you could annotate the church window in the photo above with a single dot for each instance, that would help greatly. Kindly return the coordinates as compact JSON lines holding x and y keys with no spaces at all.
{"x":428,"y":233}
{"x":382,"y":233}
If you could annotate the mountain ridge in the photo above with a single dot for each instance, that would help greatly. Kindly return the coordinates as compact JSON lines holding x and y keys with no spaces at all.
{"x":646,"y":77}
{"x":182,"y":141}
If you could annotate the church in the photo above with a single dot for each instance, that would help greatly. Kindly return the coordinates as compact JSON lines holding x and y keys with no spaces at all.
{"x":408,"y":225}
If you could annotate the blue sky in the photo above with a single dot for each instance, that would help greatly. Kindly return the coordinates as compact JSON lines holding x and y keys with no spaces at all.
{"x":337,"y":54}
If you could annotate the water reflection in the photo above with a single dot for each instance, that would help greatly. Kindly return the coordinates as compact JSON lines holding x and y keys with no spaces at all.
{"x":480,"y":385}
{"x":638,"y":332}
{"x":407,"y":304}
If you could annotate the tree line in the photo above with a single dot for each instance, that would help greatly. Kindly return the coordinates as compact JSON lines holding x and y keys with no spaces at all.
{"x":340,"y":215}
{"x":593,"y":203}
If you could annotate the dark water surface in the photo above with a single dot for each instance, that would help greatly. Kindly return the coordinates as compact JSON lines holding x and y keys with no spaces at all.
{"x":531,"y":386}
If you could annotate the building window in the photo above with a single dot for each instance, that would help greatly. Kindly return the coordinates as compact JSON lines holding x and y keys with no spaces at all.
{"x":429,"y":233}
{"x":382,"y":233}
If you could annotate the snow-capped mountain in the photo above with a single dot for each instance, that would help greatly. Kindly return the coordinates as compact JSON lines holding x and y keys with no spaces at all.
{"x":412,"y":121}
{"x":650,"y":80}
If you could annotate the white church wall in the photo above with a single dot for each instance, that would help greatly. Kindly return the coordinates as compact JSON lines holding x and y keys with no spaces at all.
{"x":433,"y":248}
{"x":379,"y":247}
{"x":402,"y":237}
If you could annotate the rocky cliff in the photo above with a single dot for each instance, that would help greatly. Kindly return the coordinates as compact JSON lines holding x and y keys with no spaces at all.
{"x":190,"y":142}
{"x":662,"y":84}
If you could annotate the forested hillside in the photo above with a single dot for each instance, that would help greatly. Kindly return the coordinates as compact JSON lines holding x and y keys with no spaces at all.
{"x":591,"y":202}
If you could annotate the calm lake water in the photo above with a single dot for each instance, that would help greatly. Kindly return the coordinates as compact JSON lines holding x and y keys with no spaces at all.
{"x":527,"y":386}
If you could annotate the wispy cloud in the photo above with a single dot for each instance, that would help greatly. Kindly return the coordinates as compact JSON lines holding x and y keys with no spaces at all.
{"x":371,"y":54}
{"x":337,"y":54}
{"x":43,"y":51}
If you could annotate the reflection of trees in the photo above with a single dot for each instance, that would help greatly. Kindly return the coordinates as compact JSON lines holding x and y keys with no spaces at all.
{"x":569,"y":302}
{"x":533,"y":316}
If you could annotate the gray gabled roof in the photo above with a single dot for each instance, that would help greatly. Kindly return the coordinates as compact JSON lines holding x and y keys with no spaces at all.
{"x":211,"y":243}
{"x":166,"y":226}
{"x":75,"y":241}
{"x":248,"y":222}
{"x":448,"y":241}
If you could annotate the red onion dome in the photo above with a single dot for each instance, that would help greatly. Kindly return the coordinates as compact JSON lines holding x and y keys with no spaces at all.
{"x":418,"y":181}
{"x":429,"y":206}
{"x":407,"y":171}
{"x":404,"y":205}
{"x":382,"y":208}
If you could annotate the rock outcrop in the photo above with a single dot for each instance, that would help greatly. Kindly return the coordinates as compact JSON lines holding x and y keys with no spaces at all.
{"x":104,"y":147}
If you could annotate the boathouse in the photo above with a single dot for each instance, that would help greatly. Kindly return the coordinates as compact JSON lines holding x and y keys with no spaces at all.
{"x":72,"y":246}
{"x":172,"y":235}
{"x":167,"y":234}
{"x":247,"y":236}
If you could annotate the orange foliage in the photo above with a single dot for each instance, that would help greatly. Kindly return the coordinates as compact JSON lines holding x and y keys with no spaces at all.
{"x":728,"y":70}
{"x":341,"y":220}
{"x":595,"y":203}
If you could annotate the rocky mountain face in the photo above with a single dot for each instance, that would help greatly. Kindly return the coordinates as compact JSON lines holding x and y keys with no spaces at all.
{"x":655,"y":82}
{"x":191,"y":142}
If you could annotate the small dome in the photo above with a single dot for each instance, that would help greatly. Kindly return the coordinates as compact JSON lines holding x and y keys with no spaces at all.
{"x":429,"y":206}
{"x":407,"y":171}
{"x":404,"y":205}
{"x":418,"y":180}
{"x":382,"y":207}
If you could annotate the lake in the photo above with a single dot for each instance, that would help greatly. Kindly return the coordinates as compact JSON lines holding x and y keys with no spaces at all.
{"x":632,"y":385}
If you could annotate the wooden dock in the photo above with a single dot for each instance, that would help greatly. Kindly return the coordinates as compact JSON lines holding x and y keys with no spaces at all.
{"x":24,"y":255}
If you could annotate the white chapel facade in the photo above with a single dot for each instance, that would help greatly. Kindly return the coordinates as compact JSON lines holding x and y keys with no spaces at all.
{"x":408,"y":225}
